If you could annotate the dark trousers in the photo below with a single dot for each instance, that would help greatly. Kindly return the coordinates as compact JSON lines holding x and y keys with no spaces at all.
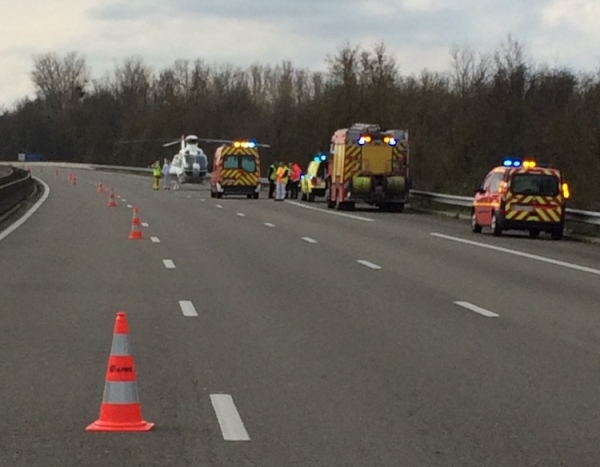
{"x":271,"y":188}
{"x":294,"y":189}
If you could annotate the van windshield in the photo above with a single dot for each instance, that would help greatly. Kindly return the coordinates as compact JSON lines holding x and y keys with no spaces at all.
{"x":535,"y":184}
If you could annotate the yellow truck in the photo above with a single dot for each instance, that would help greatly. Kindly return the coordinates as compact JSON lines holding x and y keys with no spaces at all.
{"x":368,"y":165}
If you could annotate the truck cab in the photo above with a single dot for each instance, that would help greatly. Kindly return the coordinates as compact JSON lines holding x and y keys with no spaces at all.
{"x":521,"y":195}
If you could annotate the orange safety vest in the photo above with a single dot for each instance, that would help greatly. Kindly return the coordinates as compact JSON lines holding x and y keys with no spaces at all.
{"x":282,"y":174}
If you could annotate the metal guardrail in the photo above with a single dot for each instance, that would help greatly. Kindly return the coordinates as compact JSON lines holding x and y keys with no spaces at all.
{"x":573,"y":215}
{"x":14,"y":189}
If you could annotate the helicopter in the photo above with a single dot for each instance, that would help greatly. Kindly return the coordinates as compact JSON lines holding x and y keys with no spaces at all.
{"x":190,"y":164}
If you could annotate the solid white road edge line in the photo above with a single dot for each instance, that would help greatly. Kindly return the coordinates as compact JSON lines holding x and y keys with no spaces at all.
{"x":169,"y":264}
{"x":229,"y":419}
{"x":335,"y":213}
{"x":268,"y":224}
{"x":520,"y":253}
{"x":5,"y":233}
{"x":368,"y":264}
{"x":477,"y":309}
{"x":187,"y":308}
{"x":155,"y":239}
{"x":309,"y":240}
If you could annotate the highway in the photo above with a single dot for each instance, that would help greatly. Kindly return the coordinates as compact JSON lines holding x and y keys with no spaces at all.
{"x":343,"y":339}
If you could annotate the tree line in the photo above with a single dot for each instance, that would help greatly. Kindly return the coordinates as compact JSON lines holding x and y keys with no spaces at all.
{"x":461,"y":122}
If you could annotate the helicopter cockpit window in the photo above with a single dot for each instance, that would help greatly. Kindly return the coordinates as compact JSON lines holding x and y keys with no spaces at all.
{"x":248,"y":163}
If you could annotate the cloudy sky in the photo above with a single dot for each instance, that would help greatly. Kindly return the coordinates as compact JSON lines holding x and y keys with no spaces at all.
{"x":419,"y":33}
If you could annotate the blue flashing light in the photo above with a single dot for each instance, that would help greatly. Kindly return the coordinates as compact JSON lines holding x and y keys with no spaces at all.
{"x":323,"y":157}
{"x":511,"y":163}
{"x":251,"y":144}
{"x":361,"y":141}
{"x":317,"y":159}
{"x":393,"y":142}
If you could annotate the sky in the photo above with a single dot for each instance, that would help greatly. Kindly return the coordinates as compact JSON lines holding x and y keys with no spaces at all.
{"x":418,"y":33}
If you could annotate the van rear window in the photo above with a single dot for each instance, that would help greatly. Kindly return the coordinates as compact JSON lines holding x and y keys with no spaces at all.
{"x":535,"y":184}
{"x":247,"y":163}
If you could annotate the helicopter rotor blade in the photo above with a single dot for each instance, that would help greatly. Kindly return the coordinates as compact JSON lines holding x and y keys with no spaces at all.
{"x":172,"y":143}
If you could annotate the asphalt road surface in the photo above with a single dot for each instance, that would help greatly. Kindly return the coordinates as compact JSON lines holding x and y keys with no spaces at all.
{"x":284,"y":334}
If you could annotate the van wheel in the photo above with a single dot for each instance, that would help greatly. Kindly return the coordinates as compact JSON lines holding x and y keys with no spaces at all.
{"x":213,"y":194}
{"x":475,"y":227}
{"x":303,"y":197}
{"x":496,"y":229}
{"x":557,"y":234}
{"x":255,"y":196}
{"x":311,"y":197}
{"x":219,"y":195}
{"x":534,"y":233}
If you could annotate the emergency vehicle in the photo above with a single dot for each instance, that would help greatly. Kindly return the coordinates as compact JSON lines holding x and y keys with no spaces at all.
{"x":236,"y":170}
{"x":521,"y":195}
{"x":368,"y":165}
{"x":314,"y":181}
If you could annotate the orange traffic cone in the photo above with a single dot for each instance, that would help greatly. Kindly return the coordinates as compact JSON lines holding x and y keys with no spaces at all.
{"x":100,"y":187}
{"x":120,"y":409}
{"x":136,"y":219}
{"x":136,"y":233}
{"x":111,"y":200}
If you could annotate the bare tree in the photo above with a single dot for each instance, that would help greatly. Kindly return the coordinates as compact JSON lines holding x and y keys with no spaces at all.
{"x":60,"y":80}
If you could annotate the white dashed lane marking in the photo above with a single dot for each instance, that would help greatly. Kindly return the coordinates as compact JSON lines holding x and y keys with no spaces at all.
{"x":144,"y":224}
{"x":241,"y":214}
{"x":268,"y":224}
{"x":155,"y":239}
{"x":187,"y":308}
{"x":229,"y":418}
{"x":368,"y":264}
{"x":169,"y":264}
{"x":309,"y":240}
{"x":477,"y":309}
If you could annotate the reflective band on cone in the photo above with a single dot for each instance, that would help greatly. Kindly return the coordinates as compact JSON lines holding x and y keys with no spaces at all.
{"x":111,"y":199}
{"x":136,"y":233}
{"x":136,"y":219}
{"x":121,"y":409}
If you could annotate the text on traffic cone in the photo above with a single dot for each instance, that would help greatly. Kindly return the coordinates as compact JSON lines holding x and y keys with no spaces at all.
{"x":121,"y":409}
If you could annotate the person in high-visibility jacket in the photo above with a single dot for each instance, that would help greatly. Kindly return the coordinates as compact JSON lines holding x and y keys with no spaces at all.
{"x":156,"y":175}
{"x":272,"y":176}
{"x":283,"y":174}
